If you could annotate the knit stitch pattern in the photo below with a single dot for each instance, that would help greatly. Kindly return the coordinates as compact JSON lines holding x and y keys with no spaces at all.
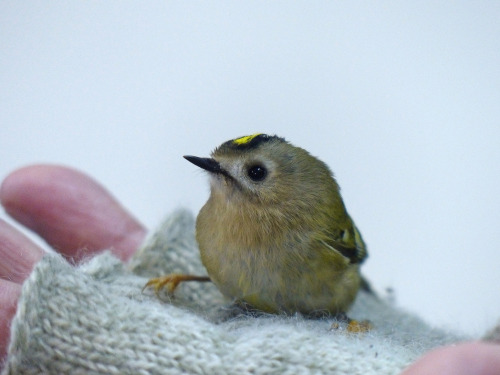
{"x":95,"y":319}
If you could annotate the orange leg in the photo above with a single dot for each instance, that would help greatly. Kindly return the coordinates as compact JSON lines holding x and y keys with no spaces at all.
{"x":353,"y":326}
{"x":171,"y":282}
{"x":359,"y":327}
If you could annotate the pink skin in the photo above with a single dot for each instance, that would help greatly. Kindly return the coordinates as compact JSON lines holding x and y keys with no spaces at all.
{"x":71,"y":212}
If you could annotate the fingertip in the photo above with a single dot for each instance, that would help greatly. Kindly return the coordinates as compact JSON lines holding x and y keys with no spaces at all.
{"x":74,"y":213}
{"x":21,"y":187}
{"x":479,"y":358}
{"x":15,"y":180}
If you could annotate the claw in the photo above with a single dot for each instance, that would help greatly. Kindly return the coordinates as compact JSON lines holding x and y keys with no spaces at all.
{"x":171,"y":282}
{"x":353,"y":326}
{"x":359,"y":327}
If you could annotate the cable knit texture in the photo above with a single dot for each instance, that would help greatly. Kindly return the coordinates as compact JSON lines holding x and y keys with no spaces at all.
{"x":95,"y":319}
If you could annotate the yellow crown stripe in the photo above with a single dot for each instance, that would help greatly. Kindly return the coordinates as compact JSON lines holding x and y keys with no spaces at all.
{"x":246,"y":139}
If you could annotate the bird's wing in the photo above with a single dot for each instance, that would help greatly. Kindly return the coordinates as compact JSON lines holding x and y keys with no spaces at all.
{"x":350,"y":244}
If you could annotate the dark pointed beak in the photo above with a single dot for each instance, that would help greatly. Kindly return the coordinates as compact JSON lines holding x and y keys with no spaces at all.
{"x":206,"y":163}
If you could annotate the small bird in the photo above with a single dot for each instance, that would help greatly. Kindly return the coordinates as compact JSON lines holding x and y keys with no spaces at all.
{"x":275,"y":234}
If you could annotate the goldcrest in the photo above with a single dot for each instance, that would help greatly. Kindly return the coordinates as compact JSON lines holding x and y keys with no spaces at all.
{"x":275,"y":234}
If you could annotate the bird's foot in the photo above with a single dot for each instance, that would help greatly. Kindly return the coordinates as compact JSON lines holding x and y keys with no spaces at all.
{"x":353,"y":326}
{"x":171,"y":282}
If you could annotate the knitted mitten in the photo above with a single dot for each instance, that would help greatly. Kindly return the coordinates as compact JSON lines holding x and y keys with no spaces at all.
{"x":95,"y":319}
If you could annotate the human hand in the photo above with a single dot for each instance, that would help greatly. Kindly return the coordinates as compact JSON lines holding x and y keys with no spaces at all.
{"x":471,"y":358}
{"x":72,"y":212}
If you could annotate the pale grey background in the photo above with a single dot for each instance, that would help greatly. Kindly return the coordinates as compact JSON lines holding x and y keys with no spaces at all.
{"x":401,"y":99}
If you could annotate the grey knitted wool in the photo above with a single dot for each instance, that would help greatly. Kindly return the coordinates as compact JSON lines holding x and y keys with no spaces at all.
{"x":94,"y":319}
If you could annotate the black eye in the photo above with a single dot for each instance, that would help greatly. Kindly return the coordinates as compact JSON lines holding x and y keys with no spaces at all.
{"x":257,"y":172}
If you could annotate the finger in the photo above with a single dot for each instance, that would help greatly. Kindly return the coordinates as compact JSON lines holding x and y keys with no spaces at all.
{"x":71,"y":211}
{"x":18,"y":254}
{"x":477,"y":358}
{"x":9,"y":295}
